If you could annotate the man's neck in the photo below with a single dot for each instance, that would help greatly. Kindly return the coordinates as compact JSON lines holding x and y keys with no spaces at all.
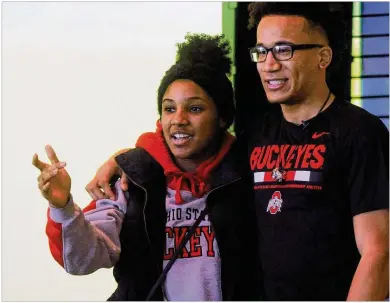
{"x":306,"y":109}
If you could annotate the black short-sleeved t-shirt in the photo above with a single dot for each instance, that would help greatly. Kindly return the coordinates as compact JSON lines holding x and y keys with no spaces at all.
{"x":335,"y":168}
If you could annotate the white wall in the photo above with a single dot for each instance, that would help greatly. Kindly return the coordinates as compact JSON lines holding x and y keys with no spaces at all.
{"x":83,"y":77}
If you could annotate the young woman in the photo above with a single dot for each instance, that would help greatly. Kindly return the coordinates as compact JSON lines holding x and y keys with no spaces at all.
{"x":186,"y":178}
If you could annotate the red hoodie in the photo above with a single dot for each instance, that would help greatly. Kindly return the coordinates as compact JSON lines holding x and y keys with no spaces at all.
{"x":177,"y":180}
{"x":196,"y":182}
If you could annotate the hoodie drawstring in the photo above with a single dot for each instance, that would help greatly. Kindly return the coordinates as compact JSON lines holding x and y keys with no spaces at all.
{"x":197,"y":184}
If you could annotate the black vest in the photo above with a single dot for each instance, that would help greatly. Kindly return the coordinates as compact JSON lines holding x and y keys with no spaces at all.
{"x":143,"y":237}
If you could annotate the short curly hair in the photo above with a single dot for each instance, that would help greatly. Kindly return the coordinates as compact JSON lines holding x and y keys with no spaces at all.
{"x":328,"y":17}
{"x":204,"y":59}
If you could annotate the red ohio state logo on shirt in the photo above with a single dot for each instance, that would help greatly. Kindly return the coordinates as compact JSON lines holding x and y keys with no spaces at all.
{"x":275,"y":203}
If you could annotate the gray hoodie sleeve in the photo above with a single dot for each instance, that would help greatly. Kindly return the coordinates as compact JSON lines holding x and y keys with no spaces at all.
{"x":83,"y":242}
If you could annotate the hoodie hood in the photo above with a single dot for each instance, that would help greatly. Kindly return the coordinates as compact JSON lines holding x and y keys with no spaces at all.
{"x":196,"y":182}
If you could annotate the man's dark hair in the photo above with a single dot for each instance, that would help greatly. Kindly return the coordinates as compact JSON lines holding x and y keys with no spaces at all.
{"x":205,"y":60}
{"x":328,"y":17}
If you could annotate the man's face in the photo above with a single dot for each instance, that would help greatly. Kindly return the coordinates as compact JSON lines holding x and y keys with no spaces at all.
{"x":295,"y":79}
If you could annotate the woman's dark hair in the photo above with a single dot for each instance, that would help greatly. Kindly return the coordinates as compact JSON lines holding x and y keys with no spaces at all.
{"x":204,"y":59}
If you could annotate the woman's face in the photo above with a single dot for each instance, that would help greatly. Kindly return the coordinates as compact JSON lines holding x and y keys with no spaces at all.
{"x":190,"y":121}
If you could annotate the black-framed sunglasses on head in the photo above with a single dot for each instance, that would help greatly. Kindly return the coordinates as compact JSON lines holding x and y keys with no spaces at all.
{"x":281,"y":52}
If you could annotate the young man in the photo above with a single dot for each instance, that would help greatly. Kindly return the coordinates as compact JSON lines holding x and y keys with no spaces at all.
{"x":319,"y":167}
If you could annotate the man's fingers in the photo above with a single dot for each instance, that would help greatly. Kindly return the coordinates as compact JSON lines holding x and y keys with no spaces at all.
{"x":88,"y":188}
{"x":107,"y":190}
{"x":38,"y":163}
{"x":124,"y":182}
{"x":102,"y":191}
{"x":94,"y":191}
{"x":51,"y":154}
{"x":97,"y":193}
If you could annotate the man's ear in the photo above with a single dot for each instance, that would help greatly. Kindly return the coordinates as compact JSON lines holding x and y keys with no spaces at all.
{"x":325,"y":57}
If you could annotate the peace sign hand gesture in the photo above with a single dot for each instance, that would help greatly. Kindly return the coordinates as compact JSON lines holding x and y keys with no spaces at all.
{"x":54,"y":181}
